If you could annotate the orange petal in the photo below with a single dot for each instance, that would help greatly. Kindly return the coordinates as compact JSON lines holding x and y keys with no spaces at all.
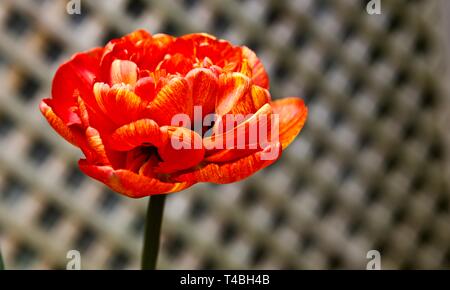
{"x":96,"y":146}
{"x":246,"y":69}
{"x":83,"y":112}
{"x":72,"y":79}
{"x":199,"y":38}
{"x":60,"y":127}
{"x":119,"y":103}
{"x":228,"y":155}
{"x":176,"y":63}
{"x":231,"y":172}
{"x":174,"y":98}
{"x":138,"y":35}
{"x":182,"y":149}
{"x":127,"y":104}
{"x":146,"y":88}
{"x":124,"y":71}
{"x":183,"y":46}
{"x":252,"y":101}
{"x":156,"y":47}
{"x":242,"y":139}
{"x":260,"y":96}
{"x":74,"y":134}
{"x":204,"y":88}
{"x":129,"y":183}
{"x":135,"y":134}
{"x":259,"y":74}
{"x":101,"y":91}
{"x":232,"y":86}
{"x":292,"y":115}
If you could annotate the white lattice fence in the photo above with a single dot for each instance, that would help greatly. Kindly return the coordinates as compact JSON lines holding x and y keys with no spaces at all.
{"x":366,"y":173}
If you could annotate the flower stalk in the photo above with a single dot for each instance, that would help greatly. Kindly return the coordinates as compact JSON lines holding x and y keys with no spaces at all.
{"x":152,"y":231}
{"x":2,"y":264}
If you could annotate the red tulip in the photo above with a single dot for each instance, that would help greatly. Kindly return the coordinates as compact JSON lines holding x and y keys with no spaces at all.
{"x":118,"y":104}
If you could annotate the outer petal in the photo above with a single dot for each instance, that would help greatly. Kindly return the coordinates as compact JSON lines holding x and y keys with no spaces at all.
{"x":292,"y":113}
{"x":174,"y":98}
{"x":56,"y":122}
{"x":129,"y":183}
{"x":252,"y":101}
{"x":228,"y":155}
{"x":96,"y":146}
{"x":75,"y":134}
{"x":95,"y":151}
{"x":72,"y":79}
{"x":230,"y":172}
{"x":259,"y":74}
{"x":242,"y":137}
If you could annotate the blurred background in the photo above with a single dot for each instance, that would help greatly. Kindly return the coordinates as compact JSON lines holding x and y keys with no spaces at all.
{"x":370,"y":169}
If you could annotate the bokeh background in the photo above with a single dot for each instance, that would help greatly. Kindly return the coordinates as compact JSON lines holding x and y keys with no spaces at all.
{"x":370,"y":169}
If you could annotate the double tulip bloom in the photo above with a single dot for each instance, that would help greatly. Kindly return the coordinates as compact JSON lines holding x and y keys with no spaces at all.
{"x":118,"y":104}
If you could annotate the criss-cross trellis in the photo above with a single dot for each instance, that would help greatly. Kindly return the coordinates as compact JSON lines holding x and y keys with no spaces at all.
{"x":367,"y":172}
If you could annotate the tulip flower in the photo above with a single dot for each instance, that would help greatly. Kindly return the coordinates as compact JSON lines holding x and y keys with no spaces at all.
{"x":156,"y":114}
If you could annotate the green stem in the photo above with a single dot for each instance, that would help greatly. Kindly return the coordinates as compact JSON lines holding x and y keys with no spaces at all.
{"x":152,"y":231}
{"x":2,"y":265}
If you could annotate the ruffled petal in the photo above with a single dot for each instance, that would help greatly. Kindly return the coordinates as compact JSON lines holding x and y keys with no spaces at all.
{"x":146,"y":88}
{"x":243,"y":139}
{"x":259,"y":74}
{"x":232,"y":86}
{"x":125,"y":48}
{"x":134,"y":134}
{"x":292,"y":114}
{"x":60,"y":127}
{"x":260,"y":96}
{"x":252,"y":101}
{"x":119,"y":103}
{"x":174,"y":98}
{"x":129,"y":183}
{"x":232,"y":154}
{"x":233,"y":171}
{"x":97,"y":149}
{"x":181,"y":149}
{"x":137,"y":36}
{"x":156,"y":47}
{"x":123,"y":72}
{"x":204,"y":85}
{"x":177,"y":64}
{"x":72,"y":79}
